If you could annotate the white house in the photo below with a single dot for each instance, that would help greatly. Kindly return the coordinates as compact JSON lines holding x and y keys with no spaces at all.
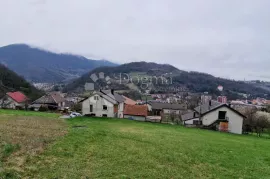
{"x":13,"y":100}
{"x":105,"y":103}
{"x":215,"y":115}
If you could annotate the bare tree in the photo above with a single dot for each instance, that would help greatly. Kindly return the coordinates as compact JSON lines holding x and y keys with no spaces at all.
{"x":4,"y":102}
{"x":256,"y":122}
{"x":192,"y":102}
{"x":249,"y":121}
{"x":261,"y":123}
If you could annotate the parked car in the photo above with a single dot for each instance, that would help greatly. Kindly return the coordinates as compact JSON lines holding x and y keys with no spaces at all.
{"x":75,"y":114}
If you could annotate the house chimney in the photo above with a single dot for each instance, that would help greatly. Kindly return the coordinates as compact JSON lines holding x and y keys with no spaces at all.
{"x":112,"y":91}
{"x":210,"y":104}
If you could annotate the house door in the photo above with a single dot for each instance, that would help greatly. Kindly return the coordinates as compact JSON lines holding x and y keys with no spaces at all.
{"x":91,"y":108}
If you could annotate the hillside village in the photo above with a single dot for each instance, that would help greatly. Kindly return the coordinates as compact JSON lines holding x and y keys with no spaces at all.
{"x":161,"y":101}
{"x":128,"y":89}
{"x":187,"y":109}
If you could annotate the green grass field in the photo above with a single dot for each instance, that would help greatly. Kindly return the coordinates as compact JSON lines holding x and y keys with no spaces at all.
{"x":115,"y":148}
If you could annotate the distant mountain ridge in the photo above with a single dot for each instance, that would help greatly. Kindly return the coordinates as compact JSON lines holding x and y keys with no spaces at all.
{"x":37,"y":65}
{"x":180,"y":80}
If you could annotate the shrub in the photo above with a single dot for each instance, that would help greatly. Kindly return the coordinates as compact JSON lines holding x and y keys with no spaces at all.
{"x":43,"y":108}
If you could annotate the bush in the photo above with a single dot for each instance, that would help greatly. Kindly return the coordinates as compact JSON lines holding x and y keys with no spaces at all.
{"x":77,"y":107}
{"x":43,"y":108}
{"x":256,"y":121}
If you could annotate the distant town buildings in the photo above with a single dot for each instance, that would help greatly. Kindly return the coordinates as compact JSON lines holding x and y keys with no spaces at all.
{"x":222,"y":99}
{"x":205,"y":99}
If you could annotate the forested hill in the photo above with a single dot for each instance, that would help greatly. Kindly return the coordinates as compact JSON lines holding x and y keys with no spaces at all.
{"x":37,"y":65}
{"x":10,"y":81}
{"x":192,"y":81}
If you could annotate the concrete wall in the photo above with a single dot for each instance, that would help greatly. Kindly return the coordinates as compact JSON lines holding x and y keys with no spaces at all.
{"x":121,"y":110}
{"x":98,"y":107}
{"x":235,"y":120}
{"x":169,"y":111}
{"x":149,"y":107}
{"x":136,"y":118}
{"x":190,"y":122}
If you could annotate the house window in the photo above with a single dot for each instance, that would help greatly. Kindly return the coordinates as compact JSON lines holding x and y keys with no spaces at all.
{"x":104,"y":115}
{"x":222,"y":115}
{"x":105,"y":107}
{"x":91,"y":108}
{"x":196,"y":122}
{"x":96,"y":98}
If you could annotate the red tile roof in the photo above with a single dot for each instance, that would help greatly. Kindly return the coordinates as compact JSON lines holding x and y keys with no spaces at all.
{"x":17,"y":96}
{"x":135,"y":110}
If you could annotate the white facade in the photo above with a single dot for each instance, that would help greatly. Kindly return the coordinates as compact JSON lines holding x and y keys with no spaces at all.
{"x":235,"y":120}
{"x":169,"y":111}
{"x":9,"y":103}
{"x":121,"y":110}
{"x":136,"y":118}
{"x":190,"y":122}
{"x":101,"y":107}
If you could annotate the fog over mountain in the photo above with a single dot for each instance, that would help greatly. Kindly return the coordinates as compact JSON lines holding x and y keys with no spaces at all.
{"x":225,"y":38}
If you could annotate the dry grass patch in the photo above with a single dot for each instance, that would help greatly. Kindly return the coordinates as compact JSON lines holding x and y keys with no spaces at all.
{"x":23,"y":137}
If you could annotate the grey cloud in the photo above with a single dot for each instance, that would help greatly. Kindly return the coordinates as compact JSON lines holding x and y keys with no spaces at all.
{"x":225,"y":38}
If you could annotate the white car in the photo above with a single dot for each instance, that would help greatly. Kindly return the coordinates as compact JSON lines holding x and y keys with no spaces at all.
{"x":75,"y":114}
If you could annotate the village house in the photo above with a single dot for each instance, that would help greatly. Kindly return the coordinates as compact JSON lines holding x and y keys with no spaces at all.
{"x":52,"y":101}
{"x":104,"y":103}
{"x":13,"y":100}
{"x":167,"y":111}
{"x":157,"y":108}
{"x":135,"y":112}
{"x":215,"y":116}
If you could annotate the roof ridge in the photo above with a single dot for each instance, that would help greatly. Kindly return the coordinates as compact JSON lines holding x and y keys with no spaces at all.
{"x":53,"y":98}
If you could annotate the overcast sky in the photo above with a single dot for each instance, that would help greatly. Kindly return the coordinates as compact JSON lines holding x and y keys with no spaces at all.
{"x":226,"y":38}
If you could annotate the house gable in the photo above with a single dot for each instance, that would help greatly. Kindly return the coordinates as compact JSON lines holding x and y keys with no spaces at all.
{"x":235,"y":120}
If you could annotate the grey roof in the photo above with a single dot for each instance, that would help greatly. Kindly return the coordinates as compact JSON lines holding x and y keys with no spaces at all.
{"x":46,"y":99}
{"x":190,"y":115}
{"x":57,"y":97}
{"x":115,"y":96}
{"x":50,"y":98}
{"x":157,"y":105}
{"x":207,"y":107}
{"x":108,"y":98}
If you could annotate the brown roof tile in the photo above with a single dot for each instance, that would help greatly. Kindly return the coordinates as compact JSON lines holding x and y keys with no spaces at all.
{"x":135,"y":110}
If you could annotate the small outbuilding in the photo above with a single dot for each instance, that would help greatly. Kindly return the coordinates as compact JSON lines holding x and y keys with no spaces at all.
{"x":135,"y":112}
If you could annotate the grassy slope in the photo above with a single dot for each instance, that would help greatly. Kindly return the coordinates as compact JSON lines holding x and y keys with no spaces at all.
{"x":110,"y":148}
{"x":27,"y":113}
{"x":24,"y":135}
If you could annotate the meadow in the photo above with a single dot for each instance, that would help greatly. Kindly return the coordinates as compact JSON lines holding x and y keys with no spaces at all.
{"x":40,"y":145}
